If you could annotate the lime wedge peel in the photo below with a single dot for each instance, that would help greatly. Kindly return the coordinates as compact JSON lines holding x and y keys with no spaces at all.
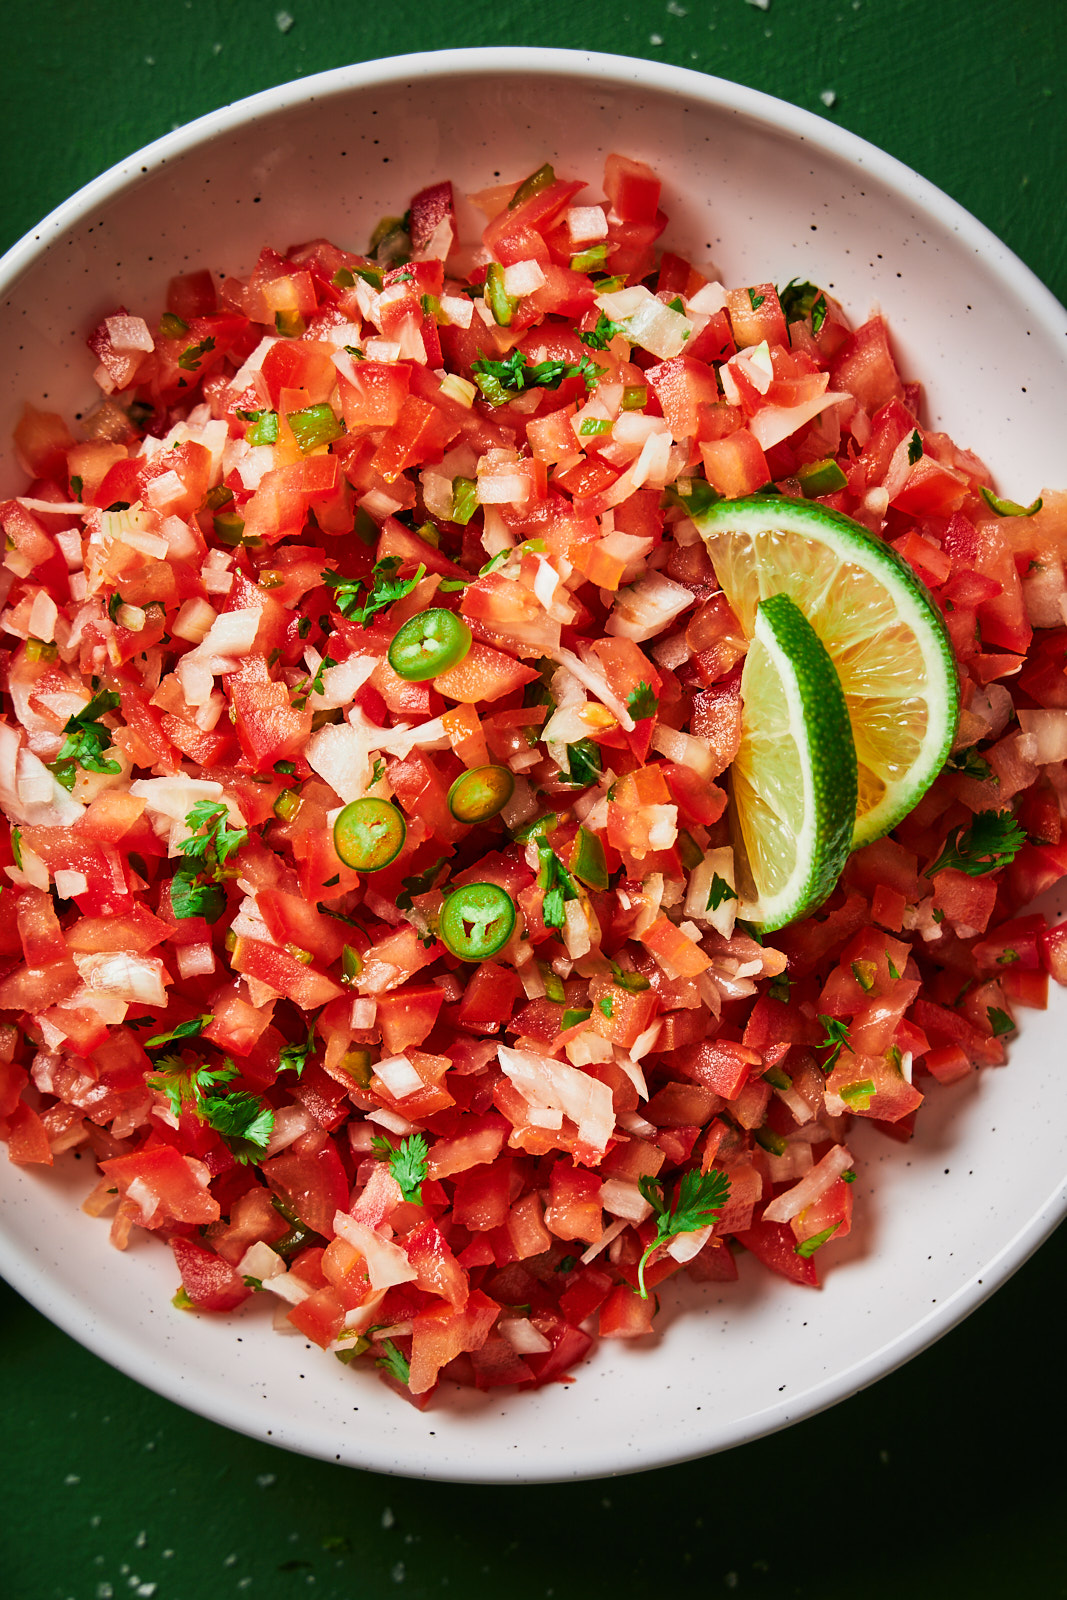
{"x":793,"y":780}
{"x":884,"y":633}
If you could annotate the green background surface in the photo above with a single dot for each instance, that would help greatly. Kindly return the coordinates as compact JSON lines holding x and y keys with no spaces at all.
{"x":947,"y":1478}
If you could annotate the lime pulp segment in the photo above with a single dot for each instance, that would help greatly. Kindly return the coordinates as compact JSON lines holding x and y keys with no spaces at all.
{"x":884,"y":633}
{"x":793,"y":779}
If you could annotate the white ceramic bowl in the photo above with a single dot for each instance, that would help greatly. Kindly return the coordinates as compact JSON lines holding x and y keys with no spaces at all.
{"x":765,"y":191}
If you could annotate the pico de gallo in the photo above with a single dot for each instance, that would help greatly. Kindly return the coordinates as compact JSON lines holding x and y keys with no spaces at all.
{"x":370,"y":909}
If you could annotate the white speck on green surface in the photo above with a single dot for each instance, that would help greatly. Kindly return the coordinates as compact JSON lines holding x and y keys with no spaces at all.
{"x":388,"y":1518}
{"x":828,"y":97}
{"x":283,"y":21}
{"x":398,"y":1572}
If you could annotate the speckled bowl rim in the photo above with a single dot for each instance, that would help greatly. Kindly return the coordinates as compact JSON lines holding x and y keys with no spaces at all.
{"x":587,"y":1459}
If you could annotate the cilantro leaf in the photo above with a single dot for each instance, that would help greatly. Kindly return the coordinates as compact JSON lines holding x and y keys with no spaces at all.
{"x":311,"y":686}
{"x":600,"y":337}
{"x":384,"y":590}
{"x":559,"y":886}
{"x":407,"y":1163}
{"x":641,"y":702}
{"x":756,"y":300}
{"x":779,"y":987}
{"x":915,"y":448}
{"x":184,"y":1030}
{"x":190,"y":358}
{"x":294,"y":1057}
{"x":190,"y":896}
{"x":993,"y":840}
{"x":800,"y":300}
{"x":816,"y":1242}
{"x":243,"y":1120}
{"x":212,"y":841}
{"x":720,"y":893}
{"x":971,"y":764}
{"x":999,"y":1021}
{"x":583,"y":762}
{"x":394,"y":1362}
{"x":837,"y":1038}
{"x":86,"y":740}
{"x":419,"y":883}
{"x":701,"y":1197}
{"x":499,"y":379}
{"x":184,"y":1085}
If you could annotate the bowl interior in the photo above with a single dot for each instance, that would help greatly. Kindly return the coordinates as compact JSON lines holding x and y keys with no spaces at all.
{"x":764,"y":192}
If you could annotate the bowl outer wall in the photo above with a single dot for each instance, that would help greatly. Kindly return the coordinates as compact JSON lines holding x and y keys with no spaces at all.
{"x":761,"y":189}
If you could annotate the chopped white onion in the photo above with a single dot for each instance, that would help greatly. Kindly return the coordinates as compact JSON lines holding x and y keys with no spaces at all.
{"x":69,"y":884}
{"x":399,"y":1076}
{"x":586,"y":224}
{"x":547,"y":1084}
{"x":523,"y":1337}
{"x":195,"y":960}
{"x":386,"y":1262}
{"x":811,"y":1187}
{"x":523,"y":277}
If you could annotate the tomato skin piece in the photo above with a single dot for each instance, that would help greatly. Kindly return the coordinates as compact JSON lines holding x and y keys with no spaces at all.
{"x":407,"y":1015}
{"x":284,"y":973}
{"x":865,"y":367}
{"x":490,"y":996}
{"x":210,"y":1282}
{"x":442,"y":1332}
{"x":309,"y":1176}
{"x":756,"y":314}
{"x":165,"y":1174}
{"x":268,"y":727}
{"x":484,"y":674}
{"x":439,"y":1273}
{"x":718,"y":1064}
{"x":27,"y":1139}
{"x":735,"y":465}
{"x":774,"y":1244}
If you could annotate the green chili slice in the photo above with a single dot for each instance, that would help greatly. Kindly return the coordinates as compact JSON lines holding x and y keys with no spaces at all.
{"x":428,"y":644}
{"x":477,"y":921}
{"x":369,"y":833}
{"x":532,"y":185}
{"x":479,"y":794}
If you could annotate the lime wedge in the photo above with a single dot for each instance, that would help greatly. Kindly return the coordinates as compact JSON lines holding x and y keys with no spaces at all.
{"x":884,"y":633}
{"x":793,"y":780}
